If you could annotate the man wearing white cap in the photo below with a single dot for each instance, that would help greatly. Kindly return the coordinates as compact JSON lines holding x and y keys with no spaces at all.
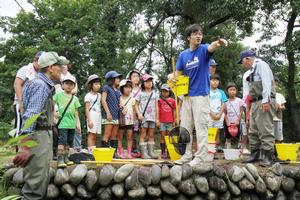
{"x":37,"y":99}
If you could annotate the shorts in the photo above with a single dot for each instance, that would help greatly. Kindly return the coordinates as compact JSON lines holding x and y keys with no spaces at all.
{"x":126,"y":127}
{"x":113,"y":122}
{"x":166,"y":126}
{"x":148,"y":124}
{"x":96,"y":119}
{"x":278,"y":130}
{"x":66,"y":136}
{"x":215,"y":124}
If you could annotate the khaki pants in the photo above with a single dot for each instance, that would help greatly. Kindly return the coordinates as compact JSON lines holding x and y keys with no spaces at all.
{"x":194,"y":114}
{"x":261,"y":134}
{"x":36,"y":172}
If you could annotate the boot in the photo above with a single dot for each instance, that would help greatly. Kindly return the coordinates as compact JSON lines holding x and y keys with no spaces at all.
{"x":144,"y":150}
{"x":151,"y":150}
{"x":254,"y":156}
{"x":129,"y":151}
{"x":135,"y":152}
{"x":66,"y":158}
{"x":114,"y":144}
{"x":61,"y":161}
{"x":163,"y":150}
{"x":266,"y":158}
{"x":104,"y":144}
{"x":121,"y":153}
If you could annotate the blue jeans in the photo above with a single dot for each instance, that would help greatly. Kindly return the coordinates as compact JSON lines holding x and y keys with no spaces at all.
{"x":77,"y":141}
{"x":66,"y":136}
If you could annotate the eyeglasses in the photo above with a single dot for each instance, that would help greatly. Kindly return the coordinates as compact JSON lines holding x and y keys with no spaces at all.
{"x":196,"y":34}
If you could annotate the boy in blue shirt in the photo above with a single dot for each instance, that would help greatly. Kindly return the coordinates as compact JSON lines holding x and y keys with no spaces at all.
{"x":194,"y":63}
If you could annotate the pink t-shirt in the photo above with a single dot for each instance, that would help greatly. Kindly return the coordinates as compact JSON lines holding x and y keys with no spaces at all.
{"x":165,"y":111}
{"x":233,"y":109}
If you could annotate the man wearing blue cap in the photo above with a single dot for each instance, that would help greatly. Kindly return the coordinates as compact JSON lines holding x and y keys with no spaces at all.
{"x":194,"y":62}
{"x":262,"y":91}
{"x":38,"y":99}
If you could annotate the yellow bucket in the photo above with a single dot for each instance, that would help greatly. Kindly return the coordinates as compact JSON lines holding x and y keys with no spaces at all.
{"x":287,"y":151}
{"x":182,"y":86}
{"x":103,"y":154}
{"x":171,"y":149}
{"x":212,"y":133}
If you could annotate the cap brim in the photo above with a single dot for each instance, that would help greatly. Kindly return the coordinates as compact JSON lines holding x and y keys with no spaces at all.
{"x":69,"y":80}
{"x":63,"y":62}
{"x":240,"y":61}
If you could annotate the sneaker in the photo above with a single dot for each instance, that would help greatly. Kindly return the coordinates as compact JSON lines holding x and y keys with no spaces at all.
{"x":195,"y":161}
{"x":183,"y":159}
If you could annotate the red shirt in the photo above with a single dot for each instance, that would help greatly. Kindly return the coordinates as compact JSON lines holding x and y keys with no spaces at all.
{"x":165,"y":111}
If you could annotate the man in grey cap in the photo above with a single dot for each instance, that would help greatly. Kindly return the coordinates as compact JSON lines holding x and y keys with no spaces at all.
{"x":212,"y":66}
{"x":38,"y":99}
{"x":262,"y":92}
{"x":24,"y":74}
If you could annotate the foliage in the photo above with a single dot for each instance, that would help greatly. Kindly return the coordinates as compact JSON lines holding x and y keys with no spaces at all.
{"x":98,"y":36}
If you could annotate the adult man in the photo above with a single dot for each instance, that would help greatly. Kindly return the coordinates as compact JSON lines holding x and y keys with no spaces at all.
{"x":262,"y":92}
{"x":24,"y":74}
{"x":37,"y":98}
{"x":212,"y":66}
{"x":194,"y":62}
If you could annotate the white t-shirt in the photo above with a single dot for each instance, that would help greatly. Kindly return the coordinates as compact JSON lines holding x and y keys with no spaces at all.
{"x":129,"y":117}
{"x":26,"y":73}
{"x":279,"y":100}
{"x":89,"y":97}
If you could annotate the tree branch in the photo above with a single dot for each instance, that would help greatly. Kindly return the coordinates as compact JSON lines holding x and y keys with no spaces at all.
{"x":149,"y":39}
{"x":220,"y":20}
{"x":20,"y":5}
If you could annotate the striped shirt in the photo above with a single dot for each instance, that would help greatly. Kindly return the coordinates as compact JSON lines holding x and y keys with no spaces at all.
{"x":113,"y":101}
{"x":36,"y":93}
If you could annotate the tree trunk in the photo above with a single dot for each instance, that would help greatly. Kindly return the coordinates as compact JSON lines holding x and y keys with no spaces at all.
{"x":292,"y":103}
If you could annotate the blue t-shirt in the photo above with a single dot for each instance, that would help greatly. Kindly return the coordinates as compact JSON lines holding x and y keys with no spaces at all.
{"x":217,"y":98}
{"x":113,"y":102}
{"x":195,"y":64}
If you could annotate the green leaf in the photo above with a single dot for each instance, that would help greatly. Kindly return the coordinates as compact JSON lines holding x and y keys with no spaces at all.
{"x":12,"y":197}
{"x":31,"y":120}
{"x":12,"y":133}
{"x":29,"y":143}
{"x":15,"y":140}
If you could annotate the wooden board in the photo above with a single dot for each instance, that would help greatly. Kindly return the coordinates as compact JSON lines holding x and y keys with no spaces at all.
{"x":132,"y":161}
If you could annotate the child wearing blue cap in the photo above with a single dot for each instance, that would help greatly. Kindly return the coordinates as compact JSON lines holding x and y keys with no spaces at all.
{"x":111,"y":104}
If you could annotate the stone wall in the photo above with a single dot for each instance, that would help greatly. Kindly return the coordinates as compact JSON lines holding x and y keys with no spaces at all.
{"x":206,"y":181}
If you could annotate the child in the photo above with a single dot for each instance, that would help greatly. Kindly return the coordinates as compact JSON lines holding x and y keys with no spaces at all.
{"x":146,"y":108}
{"x":280,"y":101}
{"x":166,"y":114}
{"x":127,"y":104}
{"x":68,"y":105}
{"x":135,"y":76}
{"x":233,"y":109}
{"x":92,"y":102}
{"x":217,"y":99}
{"x":111,"y":104}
